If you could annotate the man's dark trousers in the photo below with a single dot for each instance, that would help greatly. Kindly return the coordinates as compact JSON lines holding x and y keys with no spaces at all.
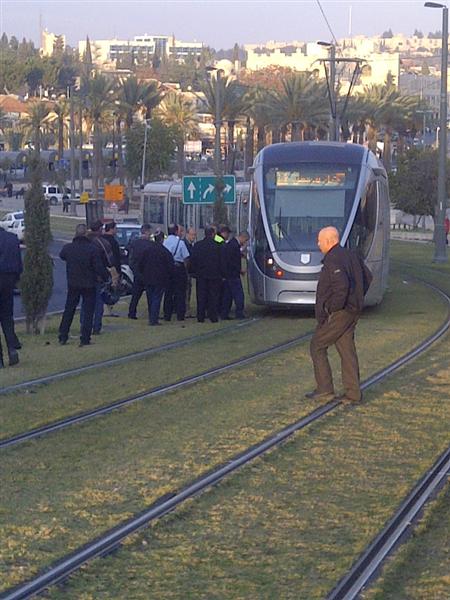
{"x":154,"y":295}
{"x":175,"y":296}
{"x":88,"y":304}
{"x":138,"y":290}
{"x":338,"y":330}
{"x":7,"y":282}
{"x":208,"y":295}
{"x":233,"y":292}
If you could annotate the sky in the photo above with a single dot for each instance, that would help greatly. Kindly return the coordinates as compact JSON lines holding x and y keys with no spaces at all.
{"x":218,"y":23}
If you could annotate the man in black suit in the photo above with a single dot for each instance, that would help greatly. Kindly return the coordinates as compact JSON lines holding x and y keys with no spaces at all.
{"x":85,"y":269}
{"x":135,"y":251}
{"x":206,"y":268}
{"x":156,"y":269}
{"x":10,"y":270}
{"x":231,"y":255}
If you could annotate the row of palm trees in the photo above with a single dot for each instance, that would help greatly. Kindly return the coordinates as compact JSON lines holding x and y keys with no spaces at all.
{"x":297,"y":109}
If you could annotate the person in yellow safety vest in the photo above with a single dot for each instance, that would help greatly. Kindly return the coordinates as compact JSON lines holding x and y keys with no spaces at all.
{"x":222,"y":234}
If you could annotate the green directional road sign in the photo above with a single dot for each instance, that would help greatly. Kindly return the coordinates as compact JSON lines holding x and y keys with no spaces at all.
{"x":202,"y":190}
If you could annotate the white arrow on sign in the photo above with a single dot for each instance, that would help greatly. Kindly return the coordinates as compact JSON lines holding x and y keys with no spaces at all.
{"x":191,"y":190}
{"x":208,"y":190}
{"x":227,"y":188}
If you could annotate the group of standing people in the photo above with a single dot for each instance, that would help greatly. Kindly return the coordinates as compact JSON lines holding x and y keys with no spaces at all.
{"x":168,"y":266}
{"x":163,"y":267}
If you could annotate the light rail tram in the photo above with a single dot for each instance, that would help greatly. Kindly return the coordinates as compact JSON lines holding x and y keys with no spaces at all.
{"x":162,"y":204}
{"x":300,"y":187}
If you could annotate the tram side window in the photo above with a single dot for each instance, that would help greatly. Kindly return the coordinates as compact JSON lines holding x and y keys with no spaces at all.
{"x":364,"y":225}
{"x":155,"y":210}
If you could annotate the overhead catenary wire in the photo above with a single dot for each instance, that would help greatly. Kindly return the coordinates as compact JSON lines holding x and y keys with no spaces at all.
{"x":327,"y":22}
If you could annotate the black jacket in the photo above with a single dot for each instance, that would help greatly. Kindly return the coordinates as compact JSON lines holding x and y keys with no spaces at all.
{"x":206,"y":260}
{"x":84,"y":265}
{"x":10,"y":257}
{"x":156,"y":265}
{"x":115,"y":251}
{"x":136,"y":250}
{"x":231,"y":259}
{"x":343,"y":281}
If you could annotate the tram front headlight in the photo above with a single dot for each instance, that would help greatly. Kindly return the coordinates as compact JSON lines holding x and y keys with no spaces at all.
{"x":270,"y":262}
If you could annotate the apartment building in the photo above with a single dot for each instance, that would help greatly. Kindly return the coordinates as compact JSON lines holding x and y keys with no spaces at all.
{"x":141,"y":47}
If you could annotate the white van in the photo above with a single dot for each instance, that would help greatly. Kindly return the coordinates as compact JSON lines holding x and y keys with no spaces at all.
{"x":55,"y":193}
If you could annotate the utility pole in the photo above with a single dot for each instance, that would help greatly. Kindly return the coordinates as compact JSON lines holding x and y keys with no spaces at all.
{"x":144,"y":153}
{"x":440,"y":247}
{"x":73,"y":204}
{"x":80,"y":148}
{"x":218,"y":125}
{"x":334,"y":117}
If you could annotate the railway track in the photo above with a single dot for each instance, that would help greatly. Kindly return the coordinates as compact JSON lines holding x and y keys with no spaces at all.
{"x":113,"y":538}
{"x":121,"y":359}
{"x":151,"y":393}
{"x":368,"y":565}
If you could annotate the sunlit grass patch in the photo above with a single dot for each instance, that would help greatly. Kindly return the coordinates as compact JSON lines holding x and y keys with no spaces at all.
{"x":151,"y":448}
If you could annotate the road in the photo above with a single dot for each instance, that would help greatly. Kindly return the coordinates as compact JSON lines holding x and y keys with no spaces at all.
{"x":58,"y":297}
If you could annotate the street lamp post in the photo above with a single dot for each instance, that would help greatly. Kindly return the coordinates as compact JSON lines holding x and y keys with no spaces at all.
{"x":440,"y":248}
{"x":147,"y":127}
{"x":73,"y":203}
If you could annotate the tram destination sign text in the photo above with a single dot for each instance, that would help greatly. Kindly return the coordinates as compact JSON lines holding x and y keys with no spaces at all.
{"x":202,"y":190}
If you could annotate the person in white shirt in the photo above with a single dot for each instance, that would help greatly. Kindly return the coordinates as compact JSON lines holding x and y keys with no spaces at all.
{"x":175,"y":295}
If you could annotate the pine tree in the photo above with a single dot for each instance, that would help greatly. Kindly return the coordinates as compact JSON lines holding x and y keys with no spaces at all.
{"x":37,"y":278}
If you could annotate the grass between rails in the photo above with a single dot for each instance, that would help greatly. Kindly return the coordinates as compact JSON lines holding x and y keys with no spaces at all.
{"x":289,"y":525}
{"x":89,"y":478}
{"x":420,"y":570}
{"x":21,"y":411}
{"x":43,"y":355}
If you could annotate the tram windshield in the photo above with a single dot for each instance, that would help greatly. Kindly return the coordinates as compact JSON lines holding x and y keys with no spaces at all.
{"x":301,"y":199}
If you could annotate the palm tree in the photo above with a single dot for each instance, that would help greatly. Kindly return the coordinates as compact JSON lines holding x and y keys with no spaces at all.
{"x":384,"y":107}
{"x":179,"y":112}
{"x":133,"y":96}
{"x":300,"y":104}
{"x":231,"y":95}
{"x":36,"y":123}
{"x":60,"y":117}
{"x":99,"y":104}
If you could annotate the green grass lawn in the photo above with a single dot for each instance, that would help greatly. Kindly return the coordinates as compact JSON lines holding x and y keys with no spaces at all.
{"x":88,"y":478}
{"x":64,"y":225}
{"x":289,"y":525}
{"x":420,"y":570}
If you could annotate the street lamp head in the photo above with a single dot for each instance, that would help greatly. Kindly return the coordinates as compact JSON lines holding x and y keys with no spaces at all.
{"x":326,"y":44}
{"x":434,"y":5}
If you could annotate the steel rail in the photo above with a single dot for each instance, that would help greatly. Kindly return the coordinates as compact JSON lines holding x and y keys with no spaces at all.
{"x":365,"y":569}
{"x":122,"y":359}
{"x":151,"y":393}
{"x":113,"y":538}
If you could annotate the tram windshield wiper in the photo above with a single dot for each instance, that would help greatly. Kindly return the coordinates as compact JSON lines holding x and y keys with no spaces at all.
{"x":286,"y":235}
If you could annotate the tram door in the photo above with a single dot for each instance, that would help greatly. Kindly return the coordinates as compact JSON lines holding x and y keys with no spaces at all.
{"x":174,"y":209}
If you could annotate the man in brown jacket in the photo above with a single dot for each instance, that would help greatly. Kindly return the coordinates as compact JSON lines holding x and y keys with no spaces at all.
{"x":343,"y":282}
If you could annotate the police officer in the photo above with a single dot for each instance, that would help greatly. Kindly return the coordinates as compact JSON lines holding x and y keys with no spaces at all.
{"x":10,"y":270}
{"x":175,"y":295}
{"x":206,"y":268}
{"x":343,"y":281}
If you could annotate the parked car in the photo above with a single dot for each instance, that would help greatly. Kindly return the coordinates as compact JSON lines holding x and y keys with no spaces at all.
{"x":55,"y":193}
{"x":10,"y":218}
{"x":18,"y":227}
